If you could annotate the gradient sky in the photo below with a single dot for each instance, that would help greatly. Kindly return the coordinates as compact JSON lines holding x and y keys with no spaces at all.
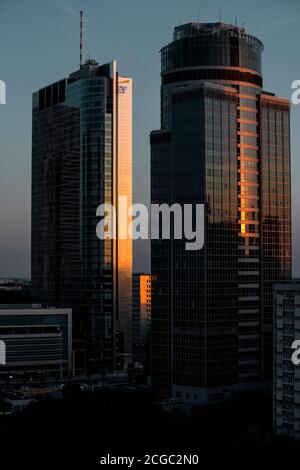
{"x":39,"y":44}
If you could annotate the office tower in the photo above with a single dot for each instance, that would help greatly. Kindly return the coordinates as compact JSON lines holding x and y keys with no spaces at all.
{"x":224,"y":143}
{"x":81,"y":158}
{"x":141,"y":315}
{"x":286,"y":379}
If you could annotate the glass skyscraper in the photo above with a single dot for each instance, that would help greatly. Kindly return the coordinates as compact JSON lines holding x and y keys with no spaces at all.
{"x":224,"y":143}
{"x":81,"y":158}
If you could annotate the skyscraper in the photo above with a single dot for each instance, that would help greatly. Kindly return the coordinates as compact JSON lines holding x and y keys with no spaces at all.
{"x":224,"y":143}
{"x":81,"y":158}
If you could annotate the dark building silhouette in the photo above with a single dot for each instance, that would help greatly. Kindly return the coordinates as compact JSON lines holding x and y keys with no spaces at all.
{"x":15,"y":291}
{"x":225,"y":143}
{"x":81,"y":158}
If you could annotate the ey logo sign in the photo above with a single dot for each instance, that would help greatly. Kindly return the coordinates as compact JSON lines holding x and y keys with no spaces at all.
{"x":122,"y":89}
{"x":2,"y":92}
{"x":2,"y":353}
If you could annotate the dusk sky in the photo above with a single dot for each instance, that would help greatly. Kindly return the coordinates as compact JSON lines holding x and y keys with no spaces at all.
{"x":39,"y":44}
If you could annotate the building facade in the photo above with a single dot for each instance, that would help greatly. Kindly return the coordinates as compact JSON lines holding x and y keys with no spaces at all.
{"x":141,"y":315}
{"x":286,"y":380}
{"x":82,"y":158}
{"x":224,"y":143}
{"x":38,"y":343}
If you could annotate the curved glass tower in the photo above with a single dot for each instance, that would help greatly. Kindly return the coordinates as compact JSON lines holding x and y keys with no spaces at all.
{"x":215,"y":52}
{"x":223,"y":142}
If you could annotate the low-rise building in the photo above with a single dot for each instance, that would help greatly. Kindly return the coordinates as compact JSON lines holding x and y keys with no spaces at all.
{"x":286,"y":378}
{"x":38,"y":343}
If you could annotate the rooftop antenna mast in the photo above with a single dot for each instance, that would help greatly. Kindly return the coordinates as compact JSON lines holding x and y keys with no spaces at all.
{"x":198,"y":17}
{"x":220,"y":16}
{"x":81,"y":16}
{"x":236,"y":20}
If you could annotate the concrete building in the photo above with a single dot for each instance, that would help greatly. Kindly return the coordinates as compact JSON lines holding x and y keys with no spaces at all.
{"x":286,"y":380}
{"x":38,"y":343}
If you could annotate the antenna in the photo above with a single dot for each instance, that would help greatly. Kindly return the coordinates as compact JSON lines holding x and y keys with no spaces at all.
{"x":236,"y":20}
{"x":198,"y":15}
{"x":81,"y":15}
{"x":220,"y":16}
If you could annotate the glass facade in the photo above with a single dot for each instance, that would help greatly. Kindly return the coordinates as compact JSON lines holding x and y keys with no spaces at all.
{"x":211,"y":44}
{"x":225,"y":140}
{"x":275,"y":208}
{"x":212,"y":51}
{"x":81,"y":152}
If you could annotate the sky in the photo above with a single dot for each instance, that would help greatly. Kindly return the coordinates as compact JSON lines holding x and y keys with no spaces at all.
{"x":39,"y":44}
